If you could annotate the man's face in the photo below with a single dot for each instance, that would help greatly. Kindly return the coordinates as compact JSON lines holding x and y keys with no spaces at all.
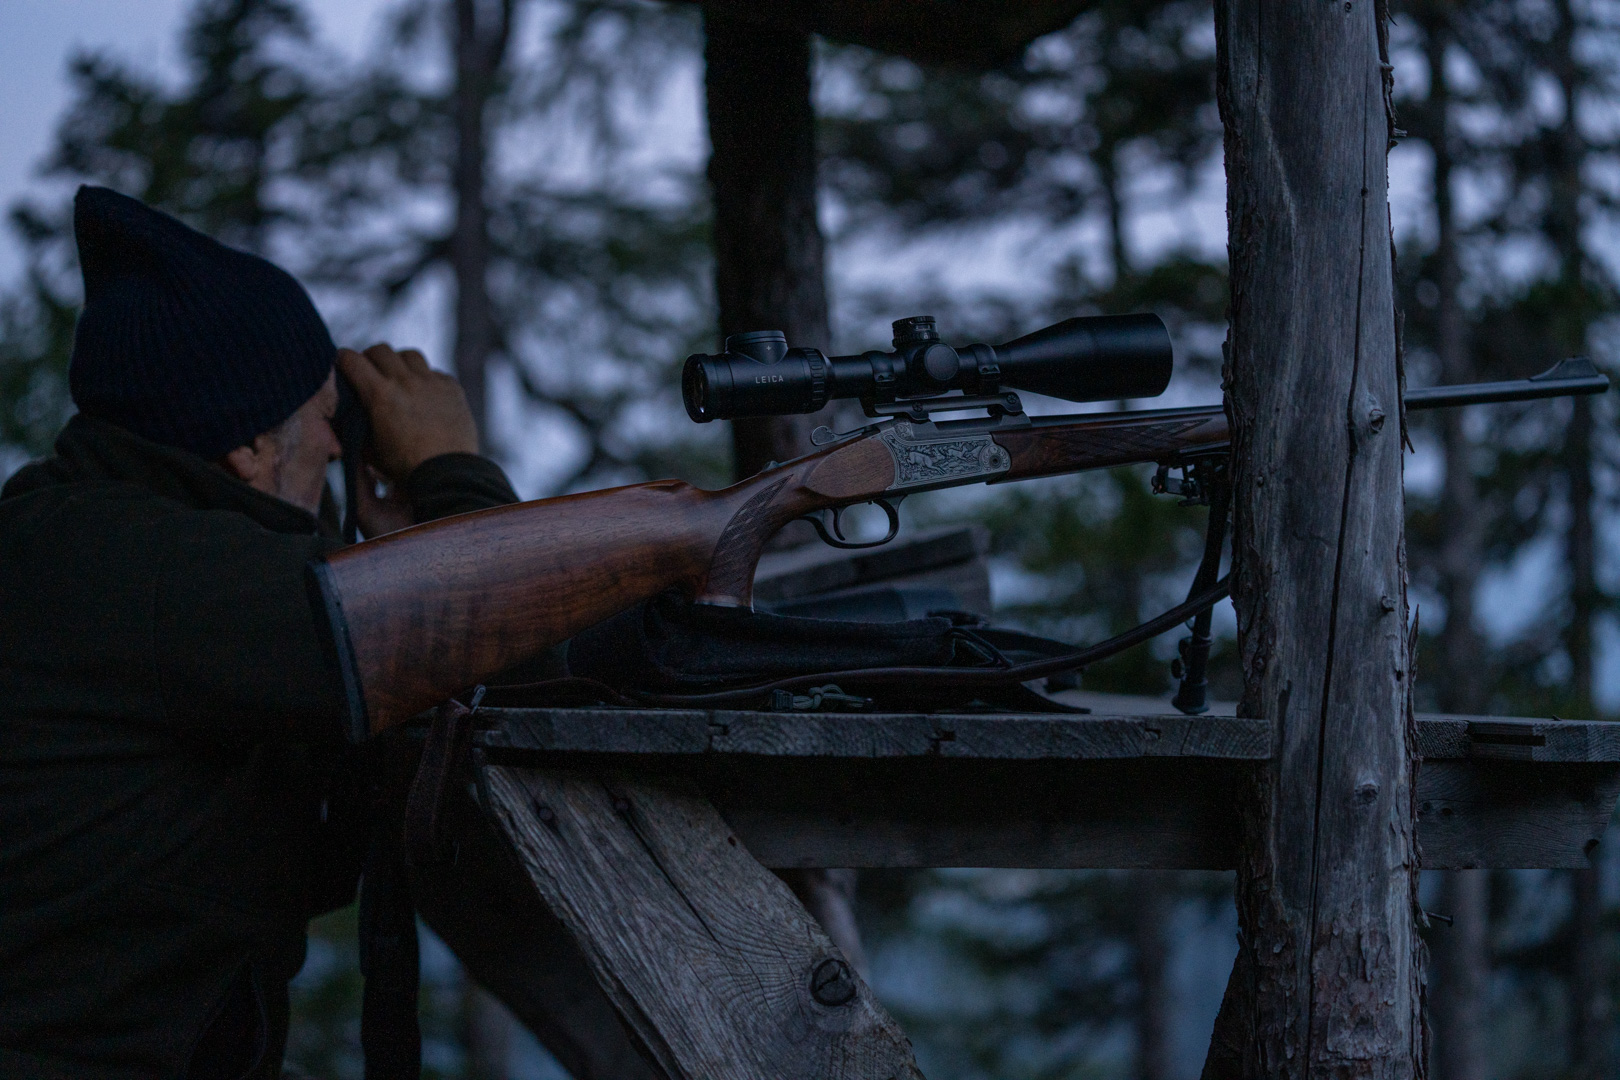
{"x":290,"y":461}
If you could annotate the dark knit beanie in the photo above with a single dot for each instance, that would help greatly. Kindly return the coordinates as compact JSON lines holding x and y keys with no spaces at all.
{"x":183,"y":340}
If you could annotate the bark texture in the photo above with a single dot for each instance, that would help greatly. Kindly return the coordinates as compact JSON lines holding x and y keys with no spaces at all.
{"x":1329,"y":973}
{"x":768,"y":250}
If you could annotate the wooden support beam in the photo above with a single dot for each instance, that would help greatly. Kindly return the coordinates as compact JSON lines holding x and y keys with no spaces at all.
{"x":1152,"y":792}
{"x":476,"y":898}
{"x":485,"y":910}
{"x":706,"y":954}
{"x":1329,"y":974}
{"x":709,"y":962}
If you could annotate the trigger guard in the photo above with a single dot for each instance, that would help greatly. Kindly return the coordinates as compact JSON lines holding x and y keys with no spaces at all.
{"x":835,"y":537}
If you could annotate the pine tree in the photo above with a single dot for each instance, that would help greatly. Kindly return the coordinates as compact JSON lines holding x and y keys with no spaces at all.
{"x":1535,"y":78}
{"x":580,"y":272}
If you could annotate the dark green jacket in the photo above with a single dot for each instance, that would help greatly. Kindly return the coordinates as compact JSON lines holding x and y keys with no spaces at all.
{"x":172,"y":780}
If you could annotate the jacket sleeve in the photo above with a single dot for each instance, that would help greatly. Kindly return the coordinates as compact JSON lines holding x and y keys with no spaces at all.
{"x":456,"y":484}
{"x":235,"y":629}
{"x":235,"y":647}
{"x":132,"y":612}
{"x":235,"y":632}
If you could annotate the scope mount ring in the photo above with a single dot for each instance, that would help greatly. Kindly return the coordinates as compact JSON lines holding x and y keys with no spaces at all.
{"x":918,"y":410}
{"x":829,"y":524}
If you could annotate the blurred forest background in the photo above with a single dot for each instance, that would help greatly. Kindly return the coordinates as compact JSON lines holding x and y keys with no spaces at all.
{"x":519,"y":185}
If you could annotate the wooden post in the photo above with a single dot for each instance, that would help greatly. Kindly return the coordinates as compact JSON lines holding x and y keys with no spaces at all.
{"x":768,"y":257}
{"x":1328,"y":976}
{"x":718,"y":970}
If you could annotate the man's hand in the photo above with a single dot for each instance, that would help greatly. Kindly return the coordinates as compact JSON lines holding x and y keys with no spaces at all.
{"x":416,"y":413}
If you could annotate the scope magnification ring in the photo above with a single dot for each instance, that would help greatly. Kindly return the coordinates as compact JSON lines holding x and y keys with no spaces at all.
{"x":816,"y":361}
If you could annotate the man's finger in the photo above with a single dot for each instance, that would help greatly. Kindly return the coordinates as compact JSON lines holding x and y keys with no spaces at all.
{"x":388,"y":361}
{"x":361,"y":373}
{"x":415,"y":361}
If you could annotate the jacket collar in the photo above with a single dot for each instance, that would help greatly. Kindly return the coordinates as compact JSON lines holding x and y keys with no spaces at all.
{"x":97,"y":452}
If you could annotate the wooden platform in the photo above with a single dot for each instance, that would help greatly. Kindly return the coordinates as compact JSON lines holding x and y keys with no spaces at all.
{"x":1048,"y":790}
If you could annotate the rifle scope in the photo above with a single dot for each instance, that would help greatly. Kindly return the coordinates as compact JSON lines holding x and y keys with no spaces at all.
{"x":1093,"y":358}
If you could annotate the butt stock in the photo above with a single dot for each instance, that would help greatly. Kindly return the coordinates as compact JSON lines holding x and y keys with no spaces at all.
{"x":418,"y":616}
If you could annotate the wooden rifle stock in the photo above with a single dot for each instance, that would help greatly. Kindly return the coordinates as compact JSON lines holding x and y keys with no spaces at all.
{"x":422,"y":614}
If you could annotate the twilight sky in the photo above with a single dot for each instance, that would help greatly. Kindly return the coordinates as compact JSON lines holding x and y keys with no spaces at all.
{"x":37,"y":37}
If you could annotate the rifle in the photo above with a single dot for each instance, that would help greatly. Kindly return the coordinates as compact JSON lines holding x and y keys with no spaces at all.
{"x":419,"y":615}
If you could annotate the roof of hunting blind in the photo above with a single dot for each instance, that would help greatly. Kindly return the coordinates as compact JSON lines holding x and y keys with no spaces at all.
{"x":954,"y":33}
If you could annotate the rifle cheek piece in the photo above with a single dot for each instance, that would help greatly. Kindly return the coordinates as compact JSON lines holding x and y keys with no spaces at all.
{"x":1094,"y":358}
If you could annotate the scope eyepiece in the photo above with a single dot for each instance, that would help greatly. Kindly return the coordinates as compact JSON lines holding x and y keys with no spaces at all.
{"x":1093,"y":358}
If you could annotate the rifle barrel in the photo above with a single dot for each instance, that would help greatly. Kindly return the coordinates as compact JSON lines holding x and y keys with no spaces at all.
{"x":1577,"y":375}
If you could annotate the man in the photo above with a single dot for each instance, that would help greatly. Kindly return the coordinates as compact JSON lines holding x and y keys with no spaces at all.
{"x":173,"y":783}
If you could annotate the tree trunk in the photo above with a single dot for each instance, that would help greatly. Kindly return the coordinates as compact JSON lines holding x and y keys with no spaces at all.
{"x":486,"y":1033}
{"x":1462,"y":550}
{"x":1150,"y":933}
{"x":480,"y":49}
{"x":1462,"y":950}
{"x":768,"y":252}
{"x":1462,"y":961}
{"x":1591,"y":1032}
{"x":1329,"y":971}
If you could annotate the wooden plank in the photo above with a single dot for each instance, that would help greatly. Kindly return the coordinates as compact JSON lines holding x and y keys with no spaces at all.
{"x":1152,"y":792}
{"x":1148,"y":815}
{"x":483,"y":907}
{"x":860,"y":735}
{"x":480,"y":903}
{"x":1127,"y":814}
{"x":1476,"y":814}
{"x":604,"y":731}
{"x":1543,"y":740}
{"x":657,"y":732}
{"x":1095,"y":738}
{"x":707,"y":956}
